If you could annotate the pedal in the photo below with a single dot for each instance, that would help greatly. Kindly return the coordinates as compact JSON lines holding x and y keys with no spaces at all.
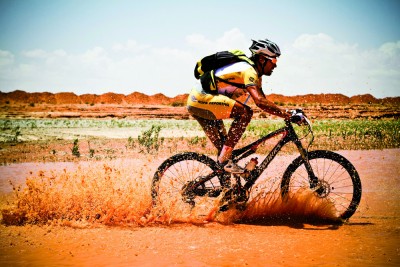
{"x":233,"y":168}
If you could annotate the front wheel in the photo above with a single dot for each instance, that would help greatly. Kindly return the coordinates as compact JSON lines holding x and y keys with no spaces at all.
{"x":184,"y":179}
{"x":338,"y":181}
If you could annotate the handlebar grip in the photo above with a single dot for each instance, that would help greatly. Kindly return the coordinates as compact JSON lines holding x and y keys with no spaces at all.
{"x":296,"y":119}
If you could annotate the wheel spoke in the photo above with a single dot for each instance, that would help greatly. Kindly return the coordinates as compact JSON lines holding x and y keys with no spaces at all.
{"x":339,"y":183}
{"x":171,"y":183}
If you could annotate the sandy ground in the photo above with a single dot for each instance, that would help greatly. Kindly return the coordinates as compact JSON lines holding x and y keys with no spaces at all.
{"x":370,"y":238}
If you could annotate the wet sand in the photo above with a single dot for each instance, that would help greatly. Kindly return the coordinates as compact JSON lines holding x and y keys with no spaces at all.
{"x":370,"y":238}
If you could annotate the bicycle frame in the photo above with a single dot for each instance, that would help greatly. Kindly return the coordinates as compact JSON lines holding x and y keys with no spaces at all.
{"x":288,"y":134}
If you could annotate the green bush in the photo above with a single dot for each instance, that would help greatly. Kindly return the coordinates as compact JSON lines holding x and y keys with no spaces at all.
{"x":75,"y":149}
{"x":149,"y":140}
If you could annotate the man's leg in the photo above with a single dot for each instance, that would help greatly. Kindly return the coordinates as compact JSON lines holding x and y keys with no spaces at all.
{"x":215,"y":131}
{"x":242,"y":116}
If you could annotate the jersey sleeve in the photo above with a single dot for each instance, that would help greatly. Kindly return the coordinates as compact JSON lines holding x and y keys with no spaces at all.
{"x":250,"y":78}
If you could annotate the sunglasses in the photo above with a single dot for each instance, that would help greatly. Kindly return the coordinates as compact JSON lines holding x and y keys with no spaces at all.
{"x":272,"y":59}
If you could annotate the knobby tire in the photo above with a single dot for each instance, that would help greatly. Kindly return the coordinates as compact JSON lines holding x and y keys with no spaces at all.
{"x":340,"y":178}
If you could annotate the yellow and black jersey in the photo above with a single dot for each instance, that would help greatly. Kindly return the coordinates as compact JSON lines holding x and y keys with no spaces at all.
{"x":217,"y":104}
{"x":240,"y":73}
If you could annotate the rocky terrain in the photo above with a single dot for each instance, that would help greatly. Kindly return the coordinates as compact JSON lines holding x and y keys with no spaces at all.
{"x":20,"y":104}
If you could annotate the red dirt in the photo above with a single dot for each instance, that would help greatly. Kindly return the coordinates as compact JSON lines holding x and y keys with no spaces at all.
{"x":370,"y":238}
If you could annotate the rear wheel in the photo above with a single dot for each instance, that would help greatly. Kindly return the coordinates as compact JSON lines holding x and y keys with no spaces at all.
{"x":338,"y":181}
{"x":185,"y":178}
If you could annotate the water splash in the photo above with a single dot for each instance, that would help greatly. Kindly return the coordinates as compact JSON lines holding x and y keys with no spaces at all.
{"x":304,"y":206}
{"x":118,"y":193}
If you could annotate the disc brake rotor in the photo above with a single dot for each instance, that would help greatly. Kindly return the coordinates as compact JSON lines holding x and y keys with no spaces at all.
{"x":323,"y":189}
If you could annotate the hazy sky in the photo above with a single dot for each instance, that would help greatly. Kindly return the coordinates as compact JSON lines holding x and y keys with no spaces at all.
{"x":94,"y":46}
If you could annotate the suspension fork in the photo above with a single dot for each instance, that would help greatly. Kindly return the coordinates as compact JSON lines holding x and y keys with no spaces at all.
{"x":304,"y":155}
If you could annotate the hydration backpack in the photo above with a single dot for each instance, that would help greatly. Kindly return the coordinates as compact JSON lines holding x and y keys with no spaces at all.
{"x":205,"y":68}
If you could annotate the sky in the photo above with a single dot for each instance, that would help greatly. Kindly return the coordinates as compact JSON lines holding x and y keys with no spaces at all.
{"x":349,"y":47}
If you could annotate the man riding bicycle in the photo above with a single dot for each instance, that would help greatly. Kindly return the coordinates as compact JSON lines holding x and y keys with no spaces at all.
{"x":210,"y":109}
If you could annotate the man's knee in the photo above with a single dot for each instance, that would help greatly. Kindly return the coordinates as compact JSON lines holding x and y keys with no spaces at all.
{"x":247,"y":113}
{"x":242,"y":112}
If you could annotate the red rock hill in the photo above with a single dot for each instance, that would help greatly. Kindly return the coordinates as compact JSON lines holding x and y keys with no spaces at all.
{"x":21,"y":97}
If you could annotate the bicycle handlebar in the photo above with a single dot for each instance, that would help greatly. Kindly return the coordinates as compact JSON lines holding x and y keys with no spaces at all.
{"x":299,"y":117}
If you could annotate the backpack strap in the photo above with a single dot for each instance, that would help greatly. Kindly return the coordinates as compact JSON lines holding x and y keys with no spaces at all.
{"x":238,"y":85}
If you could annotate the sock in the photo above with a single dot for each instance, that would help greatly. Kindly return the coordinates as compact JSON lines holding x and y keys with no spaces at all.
{"x":225,"y":154}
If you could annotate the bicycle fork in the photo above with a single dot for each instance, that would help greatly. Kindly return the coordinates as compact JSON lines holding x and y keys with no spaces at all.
{"x":311,"y":175}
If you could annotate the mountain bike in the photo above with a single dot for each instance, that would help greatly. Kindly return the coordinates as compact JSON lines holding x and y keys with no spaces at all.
{"x":188,"y":177}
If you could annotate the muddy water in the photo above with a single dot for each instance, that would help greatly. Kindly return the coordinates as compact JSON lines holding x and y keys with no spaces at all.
{"x":91,"y":237}
{"x":118,"y":193}
{"x":17,"y":173}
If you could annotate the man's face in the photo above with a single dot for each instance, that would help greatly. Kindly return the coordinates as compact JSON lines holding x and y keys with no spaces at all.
{"x":269,"y":66}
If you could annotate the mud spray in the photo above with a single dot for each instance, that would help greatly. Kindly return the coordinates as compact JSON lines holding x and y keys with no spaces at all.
{"x":117,"y":193}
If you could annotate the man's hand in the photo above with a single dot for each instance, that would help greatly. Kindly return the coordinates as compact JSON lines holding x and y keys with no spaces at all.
{"x":298,"y":116}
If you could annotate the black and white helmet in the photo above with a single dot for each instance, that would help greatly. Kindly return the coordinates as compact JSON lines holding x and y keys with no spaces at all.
{"x":265,"y":47}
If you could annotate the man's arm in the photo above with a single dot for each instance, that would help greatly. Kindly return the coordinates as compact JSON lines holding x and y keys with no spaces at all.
{"x":263,"y":103}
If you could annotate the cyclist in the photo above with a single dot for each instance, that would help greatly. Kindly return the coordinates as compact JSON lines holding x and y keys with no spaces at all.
{"x":210,"y":109}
